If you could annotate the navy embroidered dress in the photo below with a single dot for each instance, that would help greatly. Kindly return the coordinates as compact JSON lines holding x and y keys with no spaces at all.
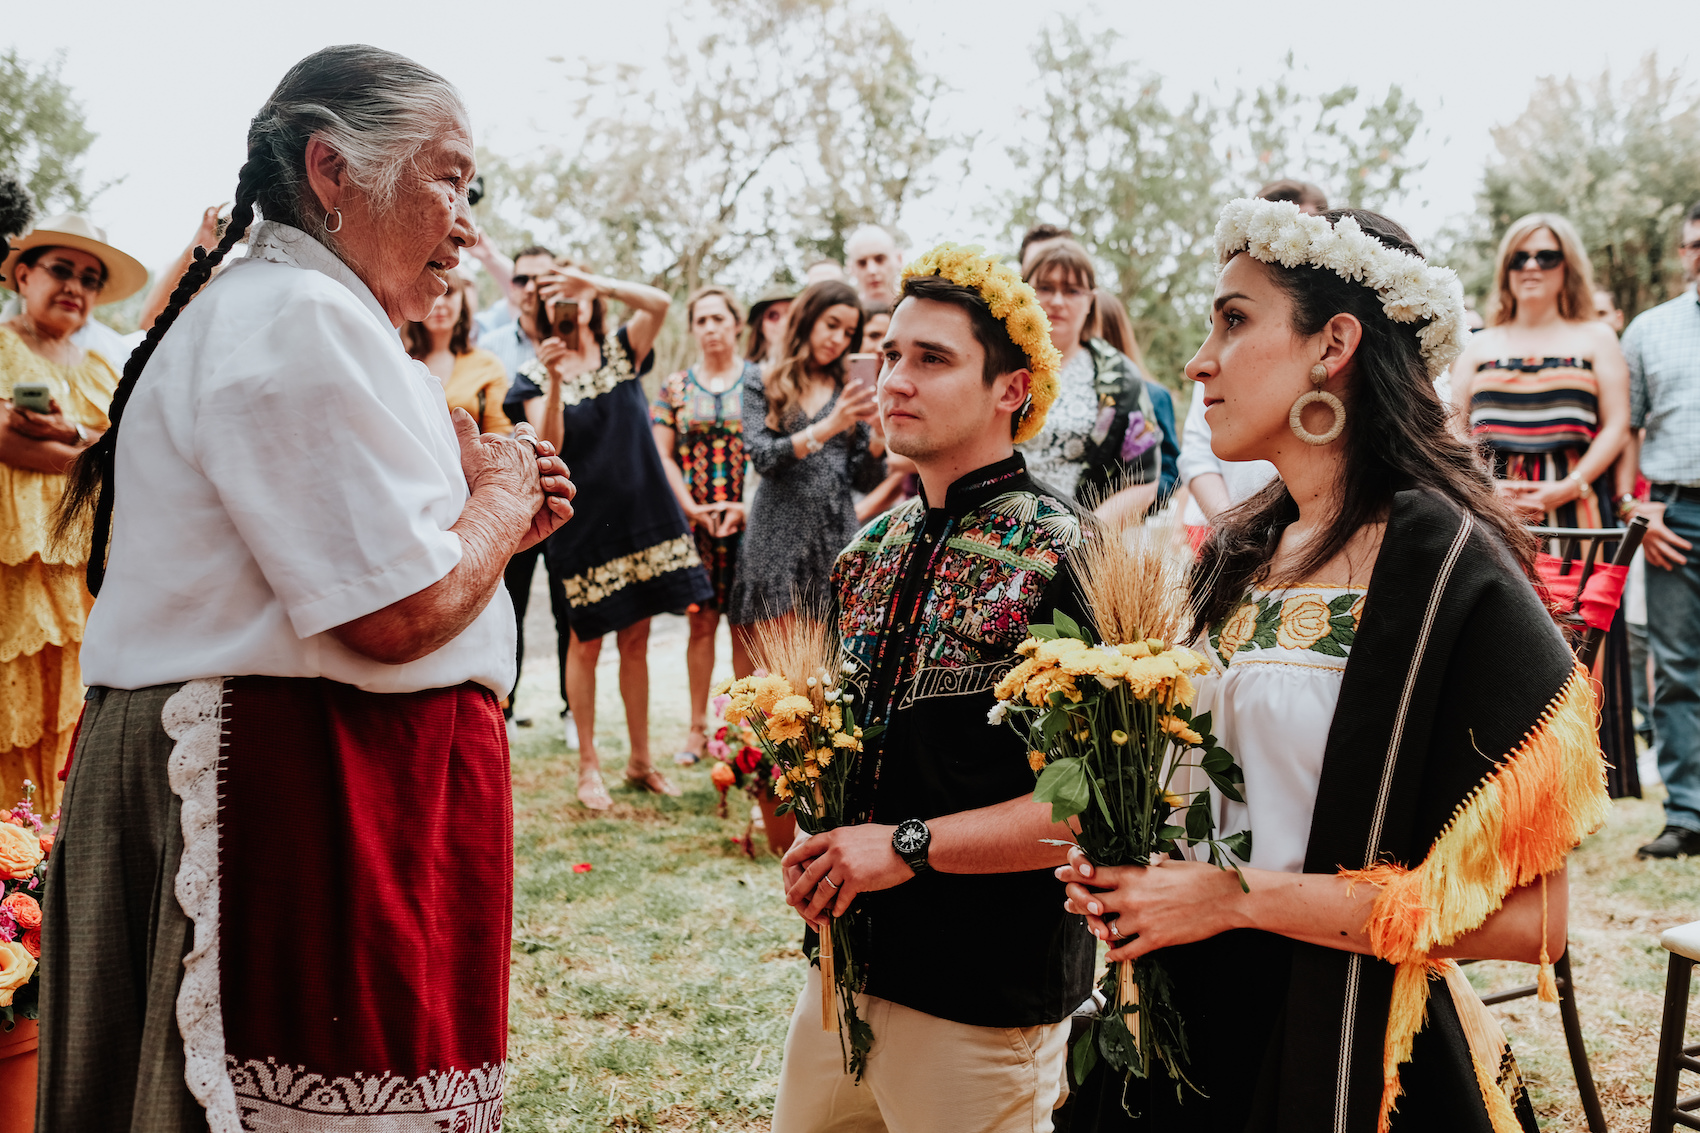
{"x":627,"y":554}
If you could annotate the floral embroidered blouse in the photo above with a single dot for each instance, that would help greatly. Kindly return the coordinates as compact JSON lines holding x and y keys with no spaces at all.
{"x":1276,"y":664}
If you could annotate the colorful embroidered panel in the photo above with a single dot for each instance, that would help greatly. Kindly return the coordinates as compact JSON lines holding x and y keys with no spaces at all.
{"x":1274,"y":625}
{"x":989,"y":575}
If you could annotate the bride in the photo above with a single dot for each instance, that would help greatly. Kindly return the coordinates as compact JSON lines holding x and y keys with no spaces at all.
{"x":1418,"y":746}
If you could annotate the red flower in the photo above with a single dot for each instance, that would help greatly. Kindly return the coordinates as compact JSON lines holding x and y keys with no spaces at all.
{"x":31,"y":941}
{"x":582,"y":867}
{"x":748,"y":759}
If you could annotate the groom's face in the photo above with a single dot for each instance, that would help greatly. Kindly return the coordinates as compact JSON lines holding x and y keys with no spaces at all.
{"x":933,"y":396}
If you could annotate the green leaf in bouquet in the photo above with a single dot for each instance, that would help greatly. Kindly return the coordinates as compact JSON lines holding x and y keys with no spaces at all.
{"x":1042,"y":632}
{"x":1199,"y":724}
{"x":1068,"y":627}
{"x":1166,"y":837}
{"x":1052,"y":725}
{"x":1085,"y":1054}
{"x":1115,"y":1042}
{"x":1217,"y":760}
{"x":1064,"y":785}
{"x":1238,"y":845}
{"x":1230,"y":788}
{"x":1198,"y":819}
{"x":1103,"y":807}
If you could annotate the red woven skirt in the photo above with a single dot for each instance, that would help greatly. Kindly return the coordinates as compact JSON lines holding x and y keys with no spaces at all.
{"x":353,"y":853}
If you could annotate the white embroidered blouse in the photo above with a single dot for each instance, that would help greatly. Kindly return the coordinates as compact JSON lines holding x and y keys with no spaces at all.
{"x":1276,"y":664}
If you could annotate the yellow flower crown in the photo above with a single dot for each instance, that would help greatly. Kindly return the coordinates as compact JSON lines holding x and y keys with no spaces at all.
{"x":1013,"y":303}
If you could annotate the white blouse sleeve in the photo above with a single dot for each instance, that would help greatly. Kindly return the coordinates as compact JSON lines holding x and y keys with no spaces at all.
{"x":315,"y":440}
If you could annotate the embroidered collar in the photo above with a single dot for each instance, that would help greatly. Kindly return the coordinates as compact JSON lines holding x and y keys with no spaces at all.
{"x":282,"y":244}
{"x":982,"y":484}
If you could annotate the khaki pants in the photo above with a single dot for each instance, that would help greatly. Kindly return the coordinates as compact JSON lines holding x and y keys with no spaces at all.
{"x":925,"y":1074}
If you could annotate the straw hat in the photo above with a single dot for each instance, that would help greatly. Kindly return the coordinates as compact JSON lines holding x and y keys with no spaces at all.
{"x":124,"y":273}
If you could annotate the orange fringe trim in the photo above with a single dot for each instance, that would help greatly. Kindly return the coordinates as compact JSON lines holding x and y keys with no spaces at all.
{"x":1514,"y":829}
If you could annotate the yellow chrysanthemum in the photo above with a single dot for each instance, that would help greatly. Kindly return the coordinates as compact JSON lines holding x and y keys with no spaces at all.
{"x":847,"y":741}
{"x":1036,"y":760}
{"x":1134,"y":649}
{"x":833,"y":717}
{"x":792,"y":707}
{"x":1149,"y":676}
{"x":1173,"y":800}
{"x":1177,"y":728}
{"x":1015,"y":680}
{"x":1187,"y":660}
{"x":739,"y":707}
{"x":783,"y":729}
{"x":1183,"y":692}
{"x":770,"y":690}
{"x":781,"y":787}
{"x":1029,"y":647}
{"x":1052,"y":652}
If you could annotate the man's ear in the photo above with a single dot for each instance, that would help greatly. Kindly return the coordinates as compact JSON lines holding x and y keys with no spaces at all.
{"x":1015,"y":388}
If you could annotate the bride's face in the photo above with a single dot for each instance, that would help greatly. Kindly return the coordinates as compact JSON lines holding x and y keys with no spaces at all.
{"x":1254,"y":366}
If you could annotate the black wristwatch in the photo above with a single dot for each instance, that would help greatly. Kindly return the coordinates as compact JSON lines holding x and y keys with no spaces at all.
{"x":911,"y":840}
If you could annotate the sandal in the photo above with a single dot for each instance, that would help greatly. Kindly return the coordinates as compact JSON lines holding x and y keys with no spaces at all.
{"x":593,"y":792}
{"x":695,"y":743}
{"x":654,"y":782}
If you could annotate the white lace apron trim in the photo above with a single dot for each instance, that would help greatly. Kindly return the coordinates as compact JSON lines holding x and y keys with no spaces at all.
{"x":194,"y":717}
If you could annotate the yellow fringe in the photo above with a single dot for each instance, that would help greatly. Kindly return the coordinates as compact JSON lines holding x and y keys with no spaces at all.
{"x":1515,"y":828}
{"x":1486,"y":1041}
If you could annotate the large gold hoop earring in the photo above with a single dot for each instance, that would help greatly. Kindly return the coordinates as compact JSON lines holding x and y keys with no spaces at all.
{"x":1318,"y":375}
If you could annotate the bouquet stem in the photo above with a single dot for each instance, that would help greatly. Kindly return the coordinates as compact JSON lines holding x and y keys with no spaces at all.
{"x":1129,"y":997}
{"x":828,"y":984}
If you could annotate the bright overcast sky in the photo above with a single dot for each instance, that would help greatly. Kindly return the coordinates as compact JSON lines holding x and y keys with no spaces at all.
{"x":169,"y":85}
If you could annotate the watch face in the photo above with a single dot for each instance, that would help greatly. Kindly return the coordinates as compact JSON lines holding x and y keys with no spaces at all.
{"x":910,"y":837}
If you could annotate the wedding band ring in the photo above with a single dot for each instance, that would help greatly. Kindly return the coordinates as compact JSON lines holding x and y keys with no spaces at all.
{"x":527,"y":439}
{"x":831,"y":882}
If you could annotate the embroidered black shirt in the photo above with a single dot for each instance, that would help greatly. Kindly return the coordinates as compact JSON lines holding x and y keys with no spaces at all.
{"x":931,"y":603}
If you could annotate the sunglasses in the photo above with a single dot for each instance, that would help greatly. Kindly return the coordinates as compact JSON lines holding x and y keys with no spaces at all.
{"x":65,"y":273}
{"x":1546,"y":259}
{"x":475,"y":190}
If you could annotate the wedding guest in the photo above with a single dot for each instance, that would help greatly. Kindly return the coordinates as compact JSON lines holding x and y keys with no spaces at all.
{"x":767,"y":324}
{"x":473,"y":380}
{"x":300,"y":630}
{"x":60,"y":271}
{"x":808,"y":435}
{"x":875,"y":320}
{"x":1310,"y":198}
{"x":823,"y":271}
{"x":876,"y":264}
{"x":1037,"y":238}
{"x":630,"y":555}
{"x":515,"y":344}
{"x":1607,"y":310}
{"x":931,"y":602}
{"x":1547,"y":391}
{"x":1662,"y":347}
{"x":1101,"y":444}
{"x":698,"y":421}
{"x":1116,"y":328}
{"x":1411,"y":797}
{"x":503,"y":271}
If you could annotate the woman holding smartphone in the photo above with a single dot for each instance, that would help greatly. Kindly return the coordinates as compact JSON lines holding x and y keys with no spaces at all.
{"x":808,"y":430}
{"x":56,"y":397}
{"x":630,"y":554}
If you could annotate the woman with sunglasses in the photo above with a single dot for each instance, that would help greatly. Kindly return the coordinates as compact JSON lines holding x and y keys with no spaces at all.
{"x":60,"y":271}
{"x":1547,"y":393}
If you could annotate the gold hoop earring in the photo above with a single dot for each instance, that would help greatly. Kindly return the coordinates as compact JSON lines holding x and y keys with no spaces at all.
{"x":338,"y":228}
{"x":1318,"y":375}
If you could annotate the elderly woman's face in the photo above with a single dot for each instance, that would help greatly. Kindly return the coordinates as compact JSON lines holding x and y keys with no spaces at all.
{"x":56,"y":305}
{"x":404,"y":254}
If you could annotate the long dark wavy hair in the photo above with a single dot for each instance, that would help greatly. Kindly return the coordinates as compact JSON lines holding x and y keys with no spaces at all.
{"x":1396,"y":437}
{"x":377,"y":109}
{"x":783,"y":381}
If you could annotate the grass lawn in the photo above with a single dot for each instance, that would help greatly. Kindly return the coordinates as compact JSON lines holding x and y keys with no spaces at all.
{"x":652,"y":991}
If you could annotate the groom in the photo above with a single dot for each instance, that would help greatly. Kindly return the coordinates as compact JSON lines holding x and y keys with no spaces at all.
{"x":972,"y":966}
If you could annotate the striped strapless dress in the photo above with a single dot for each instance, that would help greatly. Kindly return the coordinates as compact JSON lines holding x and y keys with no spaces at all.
{"x":1537,"y":417}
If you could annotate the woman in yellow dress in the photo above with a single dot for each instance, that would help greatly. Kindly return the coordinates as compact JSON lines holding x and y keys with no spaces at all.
{"x":60,"y":271}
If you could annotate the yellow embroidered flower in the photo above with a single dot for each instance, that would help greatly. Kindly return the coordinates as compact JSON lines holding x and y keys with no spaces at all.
{"x":1357,"y":612}
{"x":1036,"y":760}
{"x":1177,"y":728}
{"x":1238,"y":630}
{"x":1304,"y":622}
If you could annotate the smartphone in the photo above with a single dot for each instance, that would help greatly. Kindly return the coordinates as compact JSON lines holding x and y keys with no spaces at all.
{"x":863,"y":369}
{"x":566,"y":321}
{"x":33,"y":396}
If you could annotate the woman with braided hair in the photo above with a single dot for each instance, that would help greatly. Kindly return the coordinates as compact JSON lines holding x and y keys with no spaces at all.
{"x":292,"y":752}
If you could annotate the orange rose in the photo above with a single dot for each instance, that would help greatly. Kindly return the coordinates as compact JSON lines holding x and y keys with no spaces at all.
{"x":24,"y":910}
{"x":1305,"y":620}
{"x":31,"y":941}
{"x":20,"y":851}
{"x":17,"y":965}
{"x":722,"y":776}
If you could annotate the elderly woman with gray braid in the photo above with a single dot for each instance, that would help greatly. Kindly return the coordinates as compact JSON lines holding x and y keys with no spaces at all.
{"x":281,"y":896}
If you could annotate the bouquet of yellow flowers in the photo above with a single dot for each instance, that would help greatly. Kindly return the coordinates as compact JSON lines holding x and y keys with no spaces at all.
{"x":1115,"y":744}
{"x":803,"y":719}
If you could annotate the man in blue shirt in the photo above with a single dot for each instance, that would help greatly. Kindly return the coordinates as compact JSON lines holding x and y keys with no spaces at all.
{"x":1662,"y":347}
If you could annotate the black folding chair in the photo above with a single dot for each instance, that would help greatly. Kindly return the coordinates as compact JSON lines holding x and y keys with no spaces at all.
{"x":1581,"y":546}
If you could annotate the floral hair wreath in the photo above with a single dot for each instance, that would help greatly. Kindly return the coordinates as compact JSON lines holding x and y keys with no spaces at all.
{"x":1411,"y":289}
{"x":1014,"y":304}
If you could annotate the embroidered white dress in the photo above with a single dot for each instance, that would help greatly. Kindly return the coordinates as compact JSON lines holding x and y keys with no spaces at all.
{"x":1276,"y":664}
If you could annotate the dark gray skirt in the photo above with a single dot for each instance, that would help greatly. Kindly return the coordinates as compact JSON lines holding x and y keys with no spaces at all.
{"x":111,"y":1056}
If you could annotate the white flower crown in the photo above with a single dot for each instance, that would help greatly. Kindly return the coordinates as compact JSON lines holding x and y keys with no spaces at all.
{"x":1411,"y":290}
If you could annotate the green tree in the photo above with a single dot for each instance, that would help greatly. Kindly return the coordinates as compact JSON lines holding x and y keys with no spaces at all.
{"x":1620,"y":161}
{"x":42,"y":134}
{"x":1141,"y":181}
